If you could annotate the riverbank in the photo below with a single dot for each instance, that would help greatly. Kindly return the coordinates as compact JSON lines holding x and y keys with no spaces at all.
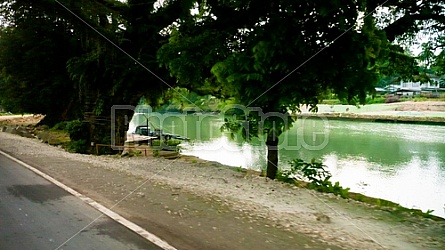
{"x":206,"y":204}
{"x":379,"y":117}
{"x":426,"y":112}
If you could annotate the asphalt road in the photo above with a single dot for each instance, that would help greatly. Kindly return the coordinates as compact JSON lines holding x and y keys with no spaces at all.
{"x":36,"y":214}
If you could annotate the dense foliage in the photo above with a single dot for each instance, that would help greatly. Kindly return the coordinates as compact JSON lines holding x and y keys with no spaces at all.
{"x":74,"y":60}
{"x":278,"y":55}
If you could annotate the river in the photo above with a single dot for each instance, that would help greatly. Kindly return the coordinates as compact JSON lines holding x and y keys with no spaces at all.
{"x":403,"y":163}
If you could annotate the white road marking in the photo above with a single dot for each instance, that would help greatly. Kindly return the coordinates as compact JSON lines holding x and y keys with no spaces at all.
{"x":114,"y":216}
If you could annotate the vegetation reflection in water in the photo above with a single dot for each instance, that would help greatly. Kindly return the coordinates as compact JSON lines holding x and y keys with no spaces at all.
{"x":403,"y":163}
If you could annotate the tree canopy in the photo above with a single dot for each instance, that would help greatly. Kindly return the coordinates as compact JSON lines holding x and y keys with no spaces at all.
{"x":76,"y":59}
{"x":278,"y":55}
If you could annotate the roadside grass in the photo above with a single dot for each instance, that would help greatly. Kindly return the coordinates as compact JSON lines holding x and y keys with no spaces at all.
{"x":9,"y":113}
{"x":54,"y":137}
{"x":383,"y":99}
{"x":333,"y":102}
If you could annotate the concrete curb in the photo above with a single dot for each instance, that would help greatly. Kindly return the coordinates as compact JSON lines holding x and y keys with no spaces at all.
{"x":114,"y":216}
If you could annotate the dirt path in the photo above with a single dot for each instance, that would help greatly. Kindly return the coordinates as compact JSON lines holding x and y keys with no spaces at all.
{"x":21,"y":119}
{"x":194,"y":204}
{"x":435,"y":106}
{"x":426,"y":112}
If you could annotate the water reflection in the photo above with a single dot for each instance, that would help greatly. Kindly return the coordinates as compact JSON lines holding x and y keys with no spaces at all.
{"x":404,"y":163}
{"x":226,"y":151}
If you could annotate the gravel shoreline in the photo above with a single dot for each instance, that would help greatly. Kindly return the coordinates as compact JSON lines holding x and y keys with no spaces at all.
{"x":327,"y":218}
{"x":426,"y":112}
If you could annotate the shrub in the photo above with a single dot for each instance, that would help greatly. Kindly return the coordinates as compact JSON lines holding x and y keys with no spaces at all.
{"x":156,"y":142}
{"x":168,"y":143}
{"x":173,"y":142}
{"x":60,"y":126}
{"x":77,"y":130}
{"x":315,"y":173}
{"x":156,"y":153}
{"x":78,"y":146}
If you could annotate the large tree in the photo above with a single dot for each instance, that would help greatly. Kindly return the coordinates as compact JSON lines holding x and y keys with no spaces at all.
{"x":119,"y":65}
{"x":277,"y":56}
{"x":76,"y":59}
{"x":408,"y":23}
{"x":34,"y":49}
{"x":403,"y":19}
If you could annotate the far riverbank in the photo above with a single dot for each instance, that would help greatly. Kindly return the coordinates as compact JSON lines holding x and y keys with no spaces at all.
{"x":427,"y":112}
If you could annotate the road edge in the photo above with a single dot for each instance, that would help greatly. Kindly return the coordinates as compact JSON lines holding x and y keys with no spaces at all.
{"x":112,"y":215}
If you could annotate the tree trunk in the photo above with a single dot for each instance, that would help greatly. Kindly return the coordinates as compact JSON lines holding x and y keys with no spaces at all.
{"x":272,"y":156}
{"x":122,"y":120}
{"x":101,"y":133}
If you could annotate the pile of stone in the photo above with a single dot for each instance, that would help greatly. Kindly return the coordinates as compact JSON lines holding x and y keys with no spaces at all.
{"x":18,"y":130}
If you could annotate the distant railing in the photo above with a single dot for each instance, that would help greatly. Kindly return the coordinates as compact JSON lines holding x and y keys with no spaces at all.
{"x":144,"y":149}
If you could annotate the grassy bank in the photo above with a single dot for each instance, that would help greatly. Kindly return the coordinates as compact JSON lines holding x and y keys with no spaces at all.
{"x":425,"y":120}
{"x":383,"y":99}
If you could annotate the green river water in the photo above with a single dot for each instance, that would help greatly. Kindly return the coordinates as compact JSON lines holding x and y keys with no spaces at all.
{"x":403,"y":163}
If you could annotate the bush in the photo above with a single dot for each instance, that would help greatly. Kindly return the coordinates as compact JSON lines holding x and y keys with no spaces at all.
{"x":77,"y":130}
{"x":314,"y":173}
{"x":60,"y":126}
{"x":334,"y":102}
{"x":169,"y":143}
{"x":156,"y":142}
{"x":79,"y":146}
{"x":156,"y":153}
{"x":173,"y":142}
